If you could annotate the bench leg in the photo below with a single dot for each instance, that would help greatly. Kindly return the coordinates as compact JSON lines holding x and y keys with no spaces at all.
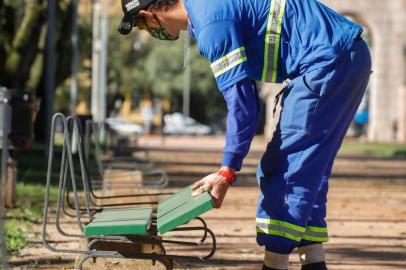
{"x":83,"y":260}
{"x":167,"y":262}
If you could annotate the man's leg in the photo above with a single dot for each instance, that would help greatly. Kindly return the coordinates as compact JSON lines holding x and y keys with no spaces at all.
{"x":316,"y":107}
{"x":311,"y":251}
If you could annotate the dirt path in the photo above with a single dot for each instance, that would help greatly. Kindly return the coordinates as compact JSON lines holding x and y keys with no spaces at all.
{"x":366,"y":215}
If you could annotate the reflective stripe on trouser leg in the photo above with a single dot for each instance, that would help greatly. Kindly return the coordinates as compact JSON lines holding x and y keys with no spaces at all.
{"x":291,"y":171}
{"x":280,"y":228}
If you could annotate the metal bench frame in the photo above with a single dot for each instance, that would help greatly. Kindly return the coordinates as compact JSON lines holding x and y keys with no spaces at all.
{"x":74,"y":129}
{"x":145,"y":166}
{"x":102,"y":246}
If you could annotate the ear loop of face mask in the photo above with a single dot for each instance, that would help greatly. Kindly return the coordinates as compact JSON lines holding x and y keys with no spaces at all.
{"x":161,"y":32}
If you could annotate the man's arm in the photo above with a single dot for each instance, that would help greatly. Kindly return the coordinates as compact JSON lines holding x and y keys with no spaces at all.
{"x":242,"y":119}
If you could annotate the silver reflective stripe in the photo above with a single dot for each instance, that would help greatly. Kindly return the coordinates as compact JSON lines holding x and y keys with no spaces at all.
{"x":229,"y":61}
{"x":272,"y":40}
{"x":316,"y":234}
{"x":272,"y":227}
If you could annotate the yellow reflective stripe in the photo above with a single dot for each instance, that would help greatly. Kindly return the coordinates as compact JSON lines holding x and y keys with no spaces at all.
{"x":315,"y":239}
{"x":272,"y":40}
{"x":279,"y":233}
{"x":316,"y":234}
{"x":316,"y":229}
{"x":292,"y":231}
{"x":280,"y":229}
{"x":229,"y":61}
{"x":282,"y":224}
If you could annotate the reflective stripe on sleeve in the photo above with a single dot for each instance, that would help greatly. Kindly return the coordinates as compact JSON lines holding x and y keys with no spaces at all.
{"x":272,"y":40}
{"x":280,"y":228}
{"x":229,"y":61}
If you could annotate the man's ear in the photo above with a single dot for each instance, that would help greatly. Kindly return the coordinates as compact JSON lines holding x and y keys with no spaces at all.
{"x":145,"y":13}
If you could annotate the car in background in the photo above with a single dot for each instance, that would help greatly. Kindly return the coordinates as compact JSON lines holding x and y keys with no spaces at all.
{"x":123,"y":127}
{"x":180,"y":124}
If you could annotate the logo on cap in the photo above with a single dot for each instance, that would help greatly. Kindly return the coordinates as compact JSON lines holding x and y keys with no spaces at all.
{"x":131,"y":5}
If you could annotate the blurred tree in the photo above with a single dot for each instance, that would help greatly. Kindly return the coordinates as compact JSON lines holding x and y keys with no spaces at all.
{"x":164,"y":66}
{"x":22,"y":43}
{"x":144,"y":67}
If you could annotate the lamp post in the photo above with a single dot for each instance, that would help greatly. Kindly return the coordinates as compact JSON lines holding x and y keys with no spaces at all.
{"x":75,"y":58}
{"x":99,"y":59}
{"x":186,"y":77}
{"x":5,"y":119}
{"x":50,"y":67}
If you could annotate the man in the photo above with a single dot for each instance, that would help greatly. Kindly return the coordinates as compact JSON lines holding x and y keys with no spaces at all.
{"x":325,"y":65}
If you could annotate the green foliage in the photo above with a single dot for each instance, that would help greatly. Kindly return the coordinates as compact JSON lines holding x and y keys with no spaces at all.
{"x":165,"y":63}
{"x":32,"y":168}
{"x":19,"y":220}
{"x":22,"y":42}
{"x":374,"y":149}
{"x":141,"y":66}
{"x":137,"y":65}
{"x":15,"y":237}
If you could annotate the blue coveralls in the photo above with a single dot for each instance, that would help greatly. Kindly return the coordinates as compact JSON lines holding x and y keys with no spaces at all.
{"x":329,"y":66}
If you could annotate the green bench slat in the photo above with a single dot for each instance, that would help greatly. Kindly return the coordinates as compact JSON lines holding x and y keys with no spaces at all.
{"x":120,"y":222}
{"x":181,"y":208}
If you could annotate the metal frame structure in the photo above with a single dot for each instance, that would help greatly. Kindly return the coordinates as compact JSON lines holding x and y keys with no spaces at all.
{"x":93,"y":200}
{"x":145,"y":166}
{"x":120,"y":247}
{"x":5,"y":126}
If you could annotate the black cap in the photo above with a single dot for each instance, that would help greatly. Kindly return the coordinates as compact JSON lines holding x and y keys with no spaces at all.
{"x":131,"y":8}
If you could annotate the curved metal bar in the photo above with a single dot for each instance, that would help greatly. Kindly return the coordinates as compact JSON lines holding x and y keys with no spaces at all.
{"x":186,"y":228}
{"x":83,"y":260}
{"x":86,"y":175}
{"x":205,"y":226}
{"x":62,"y":201}
{"x":47,"y":189}
{"x":72,"y":174}
{"x":74,"y":125}
{"x":98,"y":207}
{"x":132,"y":240}
{"x":204,"y":258}
{"x":162,"y":182}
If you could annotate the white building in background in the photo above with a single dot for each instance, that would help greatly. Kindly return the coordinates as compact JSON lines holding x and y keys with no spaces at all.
{"x":385,"y":22}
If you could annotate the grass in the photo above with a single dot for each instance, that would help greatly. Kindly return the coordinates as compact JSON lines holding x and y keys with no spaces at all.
{"x":30,"y":189}
{"x":382,"y":150}
{"x":16,"y":237}
{"x":28,"y":211}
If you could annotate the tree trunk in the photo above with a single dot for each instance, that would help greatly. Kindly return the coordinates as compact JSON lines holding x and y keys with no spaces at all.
{"x":24,"y":46}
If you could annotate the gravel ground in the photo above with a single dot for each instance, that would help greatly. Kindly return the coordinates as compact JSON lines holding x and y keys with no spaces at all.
{"x":366,"y":215}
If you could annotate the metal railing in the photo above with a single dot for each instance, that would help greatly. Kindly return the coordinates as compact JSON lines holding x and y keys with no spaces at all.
{"x":5,"y":118}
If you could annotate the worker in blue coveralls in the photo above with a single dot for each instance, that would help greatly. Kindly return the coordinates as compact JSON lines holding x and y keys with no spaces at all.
{"x":325,"y":65}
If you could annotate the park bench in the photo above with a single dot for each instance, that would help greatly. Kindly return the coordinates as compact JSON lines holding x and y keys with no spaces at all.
{"x":151,"y":177}
{"x":94,"y":200}
{"x":126,"y":233}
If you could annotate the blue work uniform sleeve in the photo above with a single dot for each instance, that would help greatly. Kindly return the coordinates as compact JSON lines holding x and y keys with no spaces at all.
{"x":221,"y":42}
{"x":242,"y":119}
